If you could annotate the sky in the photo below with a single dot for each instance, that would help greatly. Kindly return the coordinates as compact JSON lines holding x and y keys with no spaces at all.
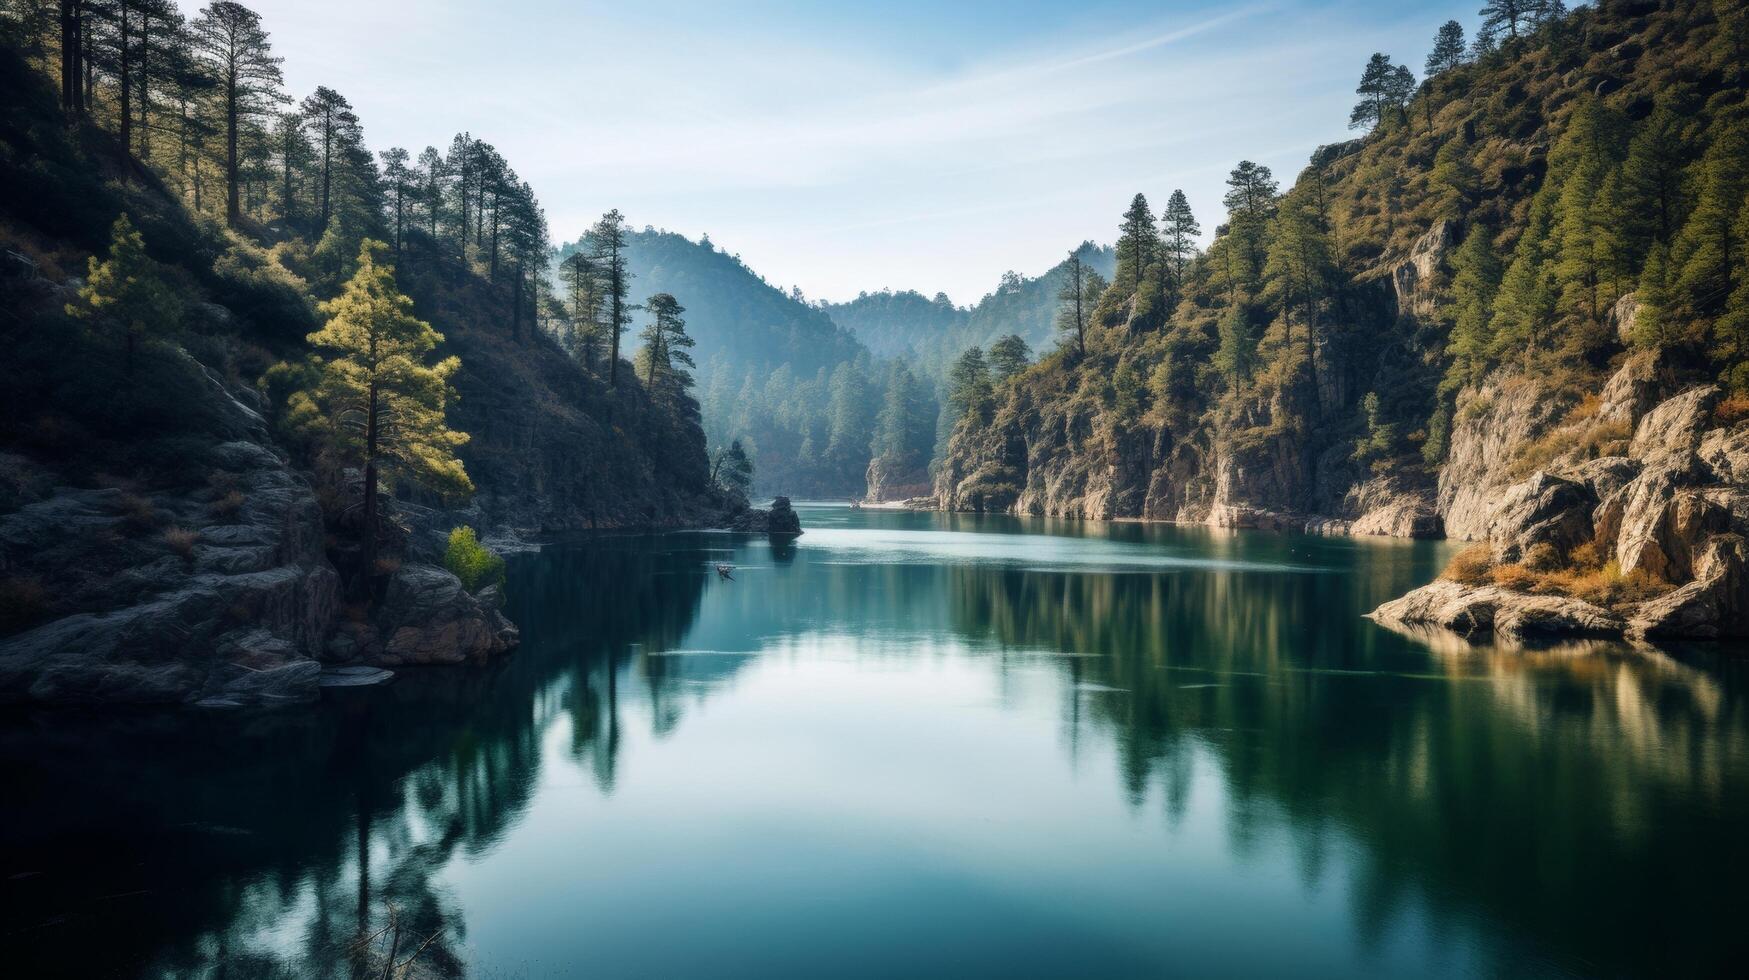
{"x":853,"y":146}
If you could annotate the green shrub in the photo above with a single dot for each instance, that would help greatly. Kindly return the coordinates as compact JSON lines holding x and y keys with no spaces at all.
{"x":471,"y":561}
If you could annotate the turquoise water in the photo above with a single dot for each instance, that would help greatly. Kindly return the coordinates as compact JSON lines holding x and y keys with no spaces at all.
{"x":918,"y":744}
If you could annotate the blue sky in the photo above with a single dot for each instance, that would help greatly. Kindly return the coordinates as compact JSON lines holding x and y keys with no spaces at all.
{"x":854,"y":146}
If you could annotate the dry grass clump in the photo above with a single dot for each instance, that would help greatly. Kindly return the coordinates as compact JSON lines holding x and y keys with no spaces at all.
{"x":1732,"y":410}
{"x":227,"y":507}
{"x":1584,"y":574}
{"x":138,"y":516}
{"x":1471,"y":565}
{"x":181,"y":541}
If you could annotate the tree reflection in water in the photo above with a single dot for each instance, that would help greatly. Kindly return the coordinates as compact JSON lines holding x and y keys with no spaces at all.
{"x":1516,"y":796}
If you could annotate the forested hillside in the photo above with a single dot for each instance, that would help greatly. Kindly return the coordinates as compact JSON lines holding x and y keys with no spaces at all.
{"x":1424,"y":315}
{"x":256,"y":371}
{"x":898,"y":323}
{"x":801,"y":395}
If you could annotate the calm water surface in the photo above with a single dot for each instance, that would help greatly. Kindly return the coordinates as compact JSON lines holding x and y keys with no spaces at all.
{"x":917,"y":744}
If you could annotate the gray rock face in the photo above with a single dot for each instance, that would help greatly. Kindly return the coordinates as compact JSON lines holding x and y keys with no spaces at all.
{"x":1714,"y":604}
{"x":428,"y":617}
{"x":1674,"y":510}
{"x":171,"y":597}
{"x":1544,"y":509}
{"x":1494,"y":423}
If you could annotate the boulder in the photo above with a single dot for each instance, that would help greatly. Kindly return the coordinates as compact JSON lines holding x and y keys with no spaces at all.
{"x":1715,"y":604}
{"x":1621,"y":318}
{"x":1675,"y":425}
{"x":1474,"y":611}
{"x":1544,"y":509}
{"x":1643,"y":380}
{"x":783,"y":519}
{"x":428,"y":617}
{"x":1662,"y":519}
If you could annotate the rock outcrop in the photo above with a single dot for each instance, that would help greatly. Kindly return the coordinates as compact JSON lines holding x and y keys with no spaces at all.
{"x":426,"y":618}
{"x":217,"y":593}
{"x":1672,"y":509}
{"x":779,"y":520}
{"x":1475,"y":611}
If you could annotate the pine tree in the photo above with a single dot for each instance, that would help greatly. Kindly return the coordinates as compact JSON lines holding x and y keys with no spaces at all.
{"x":968,"y":384}
{"x":1448,"y":49}
{"x":399,"y":178}
{"x":1075,"y":299}
{"x":1238,"y":345}
{"x":385,"y":402}
{"x":1009,"y":356}
{"x":1583,"y":234}
{"x":1137,"y":245}
{"x":665,"y":345}
{"x":432,"y":177}
{"x":1645,"y":203}
{"x":578,"y":273}
{"x":1510,"y":16}
{"x":1731,"y":329}
{"x":1456,"y":181}
{"x":1250,"y":201}
{"x":1179,"y":231}
{"x":127,"y":288}
{"x":1297,"y":271}
{"x":335,"y":130}
{"x":230,"y":37}
{"x":1656,"y":325}
{"x":1378,"y":83}
{"x":1707,"y":253}
{"x":732,"y":470}
{"x":607,"y":247}
{"x":1475,"y":280}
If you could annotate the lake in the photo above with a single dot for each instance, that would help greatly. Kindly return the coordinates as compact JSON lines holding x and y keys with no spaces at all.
{"x":917,"y":744}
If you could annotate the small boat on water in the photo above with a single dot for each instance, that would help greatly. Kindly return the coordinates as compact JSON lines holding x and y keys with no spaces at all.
{"x":726,"y":571}
{"x":856,"y":505}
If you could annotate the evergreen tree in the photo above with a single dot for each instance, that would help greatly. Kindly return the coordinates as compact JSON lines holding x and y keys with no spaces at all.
{"x":732,"y":470}
{"x":1009,"y":356}
{"x":905,"y":428}
{"x":1731,"y":329}
{"x":1238,"y":344}
{"x":335,"y":130}
{"x":1250,"y":201}
{"x":1708,"y":254}
{"x":665,"y":345}
{"x":968,"y":384}
{"x":1475,"y":280}
{"x":128,"y":289}
{"x":1448,"y":49}
{"x":607,"y":247}
{"x":385,"y":402}
{"x":1584,"y":234}
{"x":1297,"y":271}
{"x":292,"y":146}
{"x":1076,"y":298}
{"x":577,"y":272}
{"x":1647,"y":201}
{"x":1657,"y":325}
{"x":1179,"y":231}
{"x":1510,"y":16}
{"x":1454,"y":178}
{"x":1377,"y":86}
{"x":230,"y":37}
{"x":432,"y":176}
{"x":1137,"y":245}
{"x":399,"y":178}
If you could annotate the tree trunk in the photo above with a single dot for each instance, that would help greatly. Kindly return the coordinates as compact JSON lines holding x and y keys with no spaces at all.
{"x":327,"y":170}
{"x":369,"y":553}
{"x":145,"y":85}
{"x":126,"y":78}
{"x":233,"y":206}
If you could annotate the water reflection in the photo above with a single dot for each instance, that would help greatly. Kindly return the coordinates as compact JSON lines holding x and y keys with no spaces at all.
{"x":771,"y":775}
